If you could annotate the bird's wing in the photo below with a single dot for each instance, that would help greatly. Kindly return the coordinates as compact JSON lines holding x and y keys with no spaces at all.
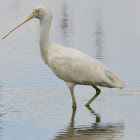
{"x":73,"y":66}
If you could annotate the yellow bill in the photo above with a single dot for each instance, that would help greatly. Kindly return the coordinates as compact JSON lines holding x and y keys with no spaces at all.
{"x":27,"y":19}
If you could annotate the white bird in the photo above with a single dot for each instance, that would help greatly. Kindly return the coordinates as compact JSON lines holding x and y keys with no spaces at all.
{"x":70,"y":65}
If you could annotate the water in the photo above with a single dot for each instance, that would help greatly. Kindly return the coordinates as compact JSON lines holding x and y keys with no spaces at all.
{"x":36,"y":105}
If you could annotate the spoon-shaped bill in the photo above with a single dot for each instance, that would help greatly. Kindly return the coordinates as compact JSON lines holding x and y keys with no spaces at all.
{"x":27,"y":19}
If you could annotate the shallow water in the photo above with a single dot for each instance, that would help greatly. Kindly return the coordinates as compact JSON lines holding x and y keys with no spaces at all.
{"x":36,"y":105}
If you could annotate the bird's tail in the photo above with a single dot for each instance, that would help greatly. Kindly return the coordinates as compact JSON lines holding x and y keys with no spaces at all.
{"x":117,"y":82}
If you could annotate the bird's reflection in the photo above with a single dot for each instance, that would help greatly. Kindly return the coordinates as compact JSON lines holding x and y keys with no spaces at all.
{"x":96,"y":130}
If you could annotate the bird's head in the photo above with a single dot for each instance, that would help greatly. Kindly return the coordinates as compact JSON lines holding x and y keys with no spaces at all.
{"x":42,"y":11}
{"x":38,"y":12}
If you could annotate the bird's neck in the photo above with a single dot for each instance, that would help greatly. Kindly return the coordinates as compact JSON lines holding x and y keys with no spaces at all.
{"x":44,"y":31}
{"x":45,"y":42}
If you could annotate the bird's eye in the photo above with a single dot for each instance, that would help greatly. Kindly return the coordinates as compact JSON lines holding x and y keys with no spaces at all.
{"x":36,"y":13}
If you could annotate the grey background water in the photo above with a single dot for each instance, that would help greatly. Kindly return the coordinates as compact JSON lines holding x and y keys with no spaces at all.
{"x":36,"y":105}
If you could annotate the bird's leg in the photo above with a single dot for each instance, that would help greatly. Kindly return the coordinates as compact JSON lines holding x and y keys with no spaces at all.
{"x":73,"y":100}
{"x":98,"y":91}
{"x":71,"y":88}
{"x":98,"y":118}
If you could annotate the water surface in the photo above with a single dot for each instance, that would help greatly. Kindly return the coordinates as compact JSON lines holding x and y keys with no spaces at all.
{"x":35,"y":104}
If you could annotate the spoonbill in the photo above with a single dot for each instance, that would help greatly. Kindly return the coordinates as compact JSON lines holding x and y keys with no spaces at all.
{"x":68,"y":64}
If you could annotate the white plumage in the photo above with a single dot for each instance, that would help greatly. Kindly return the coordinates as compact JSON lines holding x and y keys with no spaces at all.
{"x":70,"y":65}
